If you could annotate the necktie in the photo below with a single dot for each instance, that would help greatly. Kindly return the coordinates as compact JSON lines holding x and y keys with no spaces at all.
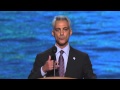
{"x":61,"y":64}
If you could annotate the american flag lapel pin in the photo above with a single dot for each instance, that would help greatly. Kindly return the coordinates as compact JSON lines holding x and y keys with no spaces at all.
{"x":74,"y":58}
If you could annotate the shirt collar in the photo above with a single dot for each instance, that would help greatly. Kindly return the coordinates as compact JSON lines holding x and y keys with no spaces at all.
{"x":65,"y":49}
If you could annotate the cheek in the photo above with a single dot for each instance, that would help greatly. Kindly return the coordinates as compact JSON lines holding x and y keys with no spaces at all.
{"x":56,"y":35}
{"x":68,"y":35}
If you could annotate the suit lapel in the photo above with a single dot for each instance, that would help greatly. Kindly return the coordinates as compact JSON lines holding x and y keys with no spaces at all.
{"x":70,"y":62}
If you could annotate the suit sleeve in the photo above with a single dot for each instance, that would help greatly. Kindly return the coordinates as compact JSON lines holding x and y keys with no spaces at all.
{"x":88,"y":71}
{"x":35,"y":72}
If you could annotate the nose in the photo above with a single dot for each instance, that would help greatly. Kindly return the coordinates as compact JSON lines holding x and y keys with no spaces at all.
{"x":61,"y":32}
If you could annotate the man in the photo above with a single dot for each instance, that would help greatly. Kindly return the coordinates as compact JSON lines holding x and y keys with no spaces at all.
{"x":76,"y":64}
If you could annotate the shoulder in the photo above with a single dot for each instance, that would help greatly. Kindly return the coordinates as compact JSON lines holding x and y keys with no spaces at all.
{"x":44,"y":53}
{"x":82,"y":56}
{"x":78,"y":52}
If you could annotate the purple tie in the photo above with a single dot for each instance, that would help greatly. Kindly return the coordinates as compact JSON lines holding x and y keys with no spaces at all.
{"x":61,"y":64}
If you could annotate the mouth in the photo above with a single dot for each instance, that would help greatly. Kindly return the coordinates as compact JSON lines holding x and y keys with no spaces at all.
{"x":61,"y":38}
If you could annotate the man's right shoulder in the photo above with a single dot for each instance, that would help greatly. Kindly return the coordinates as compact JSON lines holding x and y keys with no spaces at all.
{"x":46,"y":52}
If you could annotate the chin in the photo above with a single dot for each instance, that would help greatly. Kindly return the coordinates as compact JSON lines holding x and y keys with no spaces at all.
{"x":62,"y":44}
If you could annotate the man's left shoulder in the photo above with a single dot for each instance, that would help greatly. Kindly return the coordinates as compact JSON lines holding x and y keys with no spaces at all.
{"x":78,"y":51}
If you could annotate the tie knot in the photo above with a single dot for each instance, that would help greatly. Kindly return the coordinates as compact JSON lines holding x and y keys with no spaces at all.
{"x":61,"y":52}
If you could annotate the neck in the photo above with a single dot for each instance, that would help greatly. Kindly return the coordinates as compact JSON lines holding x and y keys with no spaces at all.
{"x":62,"y":46}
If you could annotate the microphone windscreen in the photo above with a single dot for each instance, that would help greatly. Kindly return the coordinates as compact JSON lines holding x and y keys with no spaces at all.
{"x":54,"y":49}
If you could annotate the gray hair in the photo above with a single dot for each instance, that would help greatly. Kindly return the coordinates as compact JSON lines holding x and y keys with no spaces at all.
{"x":61,"y":17}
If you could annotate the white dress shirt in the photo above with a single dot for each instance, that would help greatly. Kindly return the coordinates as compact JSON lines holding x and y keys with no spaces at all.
{"x":65,"y":56}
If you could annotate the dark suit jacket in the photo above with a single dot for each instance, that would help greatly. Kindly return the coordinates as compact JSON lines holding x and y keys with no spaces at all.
{"x":80,"y":68}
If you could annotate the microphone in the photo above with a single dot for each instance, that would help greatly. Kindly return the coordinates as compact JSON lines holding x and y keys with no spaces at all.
{"x":53,"y":57}
{"x":54,"y":50}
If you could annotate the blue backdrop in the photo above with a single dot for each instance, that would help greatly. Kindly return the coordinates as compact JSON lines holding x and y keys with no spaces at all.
{"x":23,"y":34}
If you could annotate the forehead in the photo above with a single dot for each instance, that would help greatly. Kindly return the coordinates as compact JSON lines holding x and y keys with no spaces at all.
{"x":61,"y":23}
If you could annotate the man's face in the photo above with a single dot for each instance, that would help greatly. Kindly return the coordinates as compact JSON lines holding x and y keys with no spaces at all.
{"x":62,"y":32}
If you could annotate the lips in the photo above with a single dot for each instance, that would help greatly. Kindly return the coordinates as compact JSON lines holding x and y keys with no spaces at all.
{"x":61,"y":38}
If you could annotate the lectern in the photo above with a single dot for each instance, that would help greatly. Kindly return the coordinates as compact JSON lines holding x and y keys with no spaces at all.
{"x":57,"y":78}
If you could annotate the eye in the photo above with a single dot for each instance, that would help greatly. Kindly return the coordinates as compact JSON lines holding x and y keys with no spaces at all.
{"x":57,"y":29}
{"x":66,"y":29}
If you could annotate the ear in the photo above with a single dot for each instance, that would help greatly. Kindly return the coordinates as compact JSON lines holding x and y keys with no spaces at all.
{"x":70,"y":32}
{"x":52,"y":32}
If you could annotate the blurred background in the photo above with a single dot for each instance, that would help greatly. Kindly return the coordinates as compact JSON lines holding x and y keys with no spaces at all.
{"x":24,"y":34}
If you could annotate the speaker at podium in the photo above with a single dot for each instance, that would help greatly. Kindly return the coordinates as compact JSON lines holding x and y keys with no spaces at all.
{"x":56,"y":77}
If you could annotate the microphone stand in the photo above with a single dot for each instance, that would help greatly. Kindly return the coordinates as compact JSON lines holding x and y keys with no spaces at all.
{"x":54,"y":67}
{"x":54,"y":50}
{"x":54,"y":59}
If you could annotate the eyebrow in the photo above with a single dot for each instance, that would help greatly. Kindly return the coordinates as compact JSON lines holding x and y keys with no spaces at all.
{"x":63,"y":27}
